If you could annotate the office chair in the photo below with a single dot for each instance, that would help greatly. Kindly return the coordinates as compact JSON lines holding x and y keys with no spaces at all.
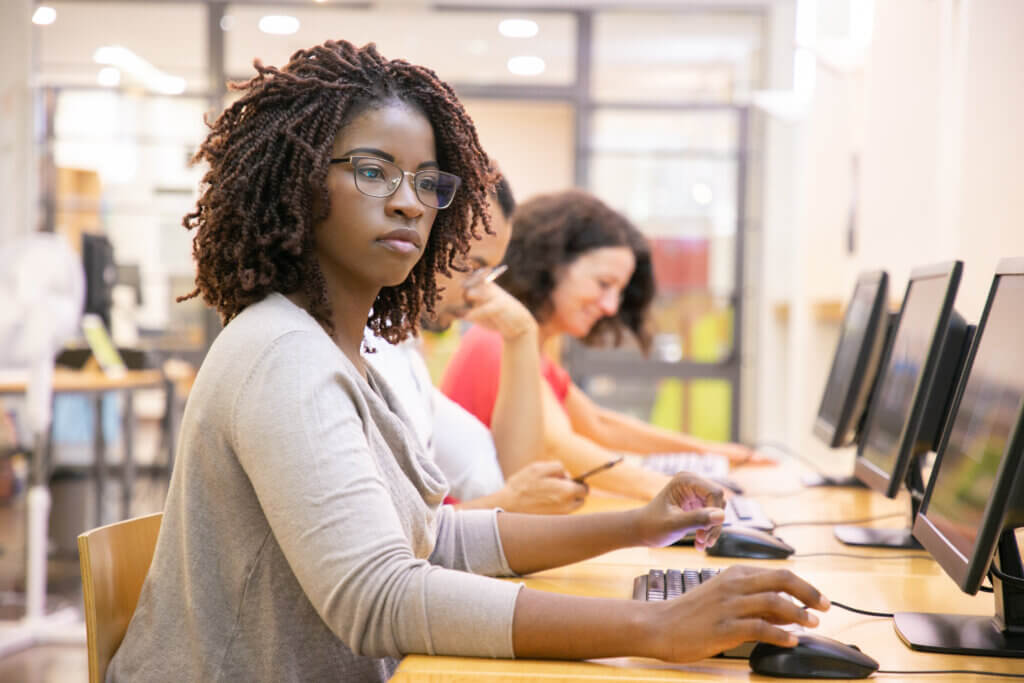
{"x":114,"y":559}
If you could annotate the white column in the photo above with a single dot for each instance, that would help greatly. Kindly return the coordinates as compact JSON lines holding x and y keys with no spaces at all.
{"x":19,"y":174}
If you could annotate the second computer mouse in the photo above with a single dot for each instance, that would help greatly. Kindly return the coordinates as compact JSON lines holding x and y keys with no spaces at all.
{"x":753,"y":544}
{"x":813,"y":657}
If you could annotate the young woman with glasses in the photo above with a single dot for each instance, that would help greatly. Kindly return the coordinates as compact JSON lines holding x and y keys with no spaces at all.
{"x":584,"y":271}
{"x":303,"y":537}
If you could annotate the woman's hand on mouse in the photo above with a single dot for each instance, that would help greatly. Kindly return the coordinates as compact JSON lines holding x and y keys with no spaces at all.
{"x":685,"y":504}
{"x":739,"y":605}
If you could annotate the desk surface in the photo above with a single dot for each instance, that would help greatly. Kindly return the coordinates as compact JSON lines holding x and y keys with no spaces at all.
{"x":875,"y":580}
{"x":70,"y":381}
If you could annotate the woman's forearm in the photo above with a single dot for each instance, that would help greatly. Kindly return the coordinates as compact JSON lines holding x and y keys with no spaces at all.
{"x":517,"y":423}
{"x":552,"y":626}
{"x":536,"y":542}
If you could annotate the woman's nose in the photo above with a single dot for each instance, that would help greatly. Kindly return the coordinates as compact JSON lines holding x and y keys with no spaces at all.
{"x":609,"y":302}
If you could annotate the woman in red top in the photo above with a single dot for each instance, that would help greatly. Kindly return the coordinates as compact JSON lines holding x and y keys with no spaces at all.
{"x":583,"y":270}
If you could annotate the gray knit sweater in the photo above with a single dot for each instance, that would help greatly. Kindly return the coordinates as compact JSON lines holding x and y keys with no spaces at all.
{"x":303,"y":537}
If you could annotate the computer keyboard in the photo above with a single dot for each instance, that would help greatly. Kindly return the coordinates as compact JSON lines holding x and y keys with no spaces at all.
{"x":665,"y":584}
{"x":744,"y":511}
{"x":708,"y":465}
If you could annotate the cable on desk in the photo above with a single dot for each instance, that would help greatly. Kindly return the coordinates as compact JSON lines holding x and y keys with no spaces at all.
{"x":1004,"y":577}
{"x":833,"y":522}
{"x":919,"y":556}
{"x":885,"y":615}
{"x":949,"y":671}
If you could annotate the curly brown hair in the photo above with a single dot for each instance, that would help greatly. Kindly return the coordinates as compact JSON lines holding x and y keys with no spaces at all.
{"x":552,"y":231}
{"x":266,"y":187}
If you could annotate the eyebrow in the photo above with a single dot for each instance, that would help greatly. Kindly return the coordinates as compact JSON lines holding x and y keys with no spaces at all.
{"x":384,"y":155}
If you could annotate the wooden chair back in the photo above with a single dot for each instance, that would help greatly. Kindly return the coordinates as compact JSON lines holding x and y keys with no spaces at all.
{"x":115,"y":559}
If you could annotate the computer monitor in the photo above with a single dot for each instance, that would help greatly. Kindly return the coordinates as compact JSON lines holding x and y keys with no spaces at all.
{"x":100,"y":275}
{"x":855,"y":363}
{"x":909,"y":404}
{"x":975,"y":496}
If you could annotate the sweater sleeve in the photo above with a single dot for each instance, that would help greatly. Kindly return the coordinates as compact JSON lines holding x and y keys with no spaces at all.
{"x":474,"y":372}
{"x":299,"y":436}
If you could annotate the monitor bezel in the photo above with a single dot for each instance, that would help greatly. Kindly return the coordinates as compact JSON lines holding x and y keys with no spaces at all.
{"x":889,"y":483}
{"x":969,"y":572}
{"x":832,"y":434}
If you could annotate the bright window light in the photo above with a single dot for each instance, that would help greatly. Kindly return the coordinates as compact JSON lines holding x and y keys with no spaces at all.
{"x":44,"y":15}
{"x":279,"y":24}
{"x":526,"y":65}
{"x":518,"y":28}
{"x":109,"y":76}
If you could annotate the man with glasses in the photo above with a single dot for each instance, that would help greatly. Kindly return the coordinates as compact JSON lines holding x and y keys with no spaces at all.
{"x":464,"y":448}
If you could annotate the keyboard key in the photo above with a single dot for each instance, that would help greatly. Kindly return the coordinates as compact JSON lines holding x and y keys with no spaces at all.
{"x":656,"y":585}
{"x":691,"y":579}
{"x":673,"y":583}
{"x":708,"y":574}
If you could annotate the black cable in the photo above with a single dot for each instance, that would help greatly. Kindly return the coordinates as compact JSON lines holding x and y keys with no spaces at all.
{"x":1004,"y":577}
{"x":868,"y":557}
{"x":863,"y":520}
{"x":886,"y":615}
{"x":949,"y":671}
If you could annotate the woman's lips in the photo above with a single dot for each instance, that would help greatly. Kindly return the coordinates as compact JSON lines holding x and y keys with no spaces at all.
{"x":402,"y":240}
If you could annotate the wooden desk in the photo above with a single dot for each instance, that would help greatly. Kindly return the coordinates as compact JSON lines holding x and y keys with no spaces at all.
{"x":94,"y":383}
{"x":879,"y":584}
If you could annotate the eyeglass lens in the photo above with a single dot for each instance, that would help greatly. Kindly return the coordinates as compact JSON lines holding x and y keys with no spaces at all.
{"x":379,"y":178}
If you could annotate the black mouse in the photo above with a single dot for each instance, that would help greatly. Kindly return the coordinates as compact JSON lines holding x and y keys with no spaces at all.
{"x":753,"y":544}
{"x":813,"y":657}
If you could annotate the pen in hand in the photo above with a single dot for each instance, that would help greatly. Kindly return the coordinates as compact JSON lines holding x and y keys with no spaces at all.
{"x":600,"y":468}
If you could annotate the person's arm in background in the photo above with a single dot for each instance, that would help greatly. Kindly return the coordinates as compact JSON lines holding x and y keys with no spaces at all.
{"x":540,"y":488}
{"x":621,"y":432}
{"x":580,"y":454}
{"x":517,"y":421}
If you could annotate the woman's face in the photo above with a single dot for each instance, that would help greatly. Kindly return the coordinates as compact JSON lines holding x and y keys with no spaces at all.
{"x":366,"y":243}
{"x":588,"y":289}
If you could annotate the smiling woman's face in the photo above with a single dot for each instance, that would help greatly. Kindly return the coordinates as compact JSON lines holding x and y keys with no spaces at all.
{"x":588,"y":289}
{"x":366,"y":243}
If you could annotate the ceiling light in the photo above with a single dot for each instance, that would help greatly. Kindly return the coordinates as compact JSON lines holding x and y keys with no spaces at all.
{"x":150,"y":76}
{"x":109,"y":76}
{"x":44,"y":15}
{"x":517,"y":28}
{"x":702,"y":194}
{"x":279,"y":24}
{"x":227,"y":22}
{"x":526,"y":65}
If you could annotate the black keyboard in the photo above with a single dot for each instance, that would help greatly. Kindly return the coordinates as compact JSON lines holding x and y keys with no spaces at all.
{"x":665,"y":584}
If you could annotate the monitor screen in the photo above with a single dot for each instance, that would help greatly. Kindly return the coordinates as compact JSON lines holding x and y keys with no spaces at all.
{"x":898,"y":406}
{"x":855,"y":362}
{"x":962,"y":491}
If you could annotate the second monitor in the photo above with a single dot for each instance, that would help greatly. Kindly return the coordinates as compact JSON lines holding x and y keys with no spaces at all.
{"x":911,"y":398}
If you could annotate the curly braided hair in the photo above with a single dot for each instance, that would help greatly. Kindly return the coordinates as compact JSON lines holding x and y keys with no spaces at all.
{"x":266,"y":187}
{"x":551,"y":231}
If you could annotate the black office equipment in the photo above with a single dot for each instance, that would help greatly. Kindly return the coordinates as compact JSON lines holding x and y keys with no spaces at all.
{"x":975,"y":496}
{"x":867,"y":326}
{"x":813,"y":657}
{"x":100,"y":275}
{"x":915,"y":384}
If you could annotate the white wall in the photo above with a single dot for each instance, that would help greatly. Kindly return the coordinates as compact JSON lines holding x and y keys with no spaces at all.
{"x":18,"y":170}
{"x":935,"y":116}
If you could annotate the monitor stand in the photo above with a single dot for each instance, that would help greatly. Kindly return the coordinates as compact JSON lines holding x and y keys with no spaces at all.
{"x":872,"y":537}
{"x":961,"y":634}
{"x":816,"y":480}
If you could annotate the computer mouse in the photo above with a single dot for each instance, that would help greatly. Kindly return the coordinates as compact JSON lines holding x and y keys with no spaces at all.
{"x":813,"y":657}
{"x":753,"y":544}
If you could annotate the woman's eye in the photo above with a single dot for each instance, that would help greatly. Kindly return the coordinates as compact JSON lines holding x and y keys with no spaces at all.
{"x":371,"y":172}
{"x":428,"y":184}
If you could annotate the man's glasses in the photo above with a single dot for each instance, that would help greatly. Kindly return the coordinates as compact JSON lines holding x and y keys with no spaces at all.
{"x":379,"y":178}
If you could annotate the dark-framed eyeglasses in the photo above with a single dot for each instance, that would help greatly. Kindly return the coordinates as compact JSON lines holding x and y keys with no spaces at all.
{"x":376,"y":177}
